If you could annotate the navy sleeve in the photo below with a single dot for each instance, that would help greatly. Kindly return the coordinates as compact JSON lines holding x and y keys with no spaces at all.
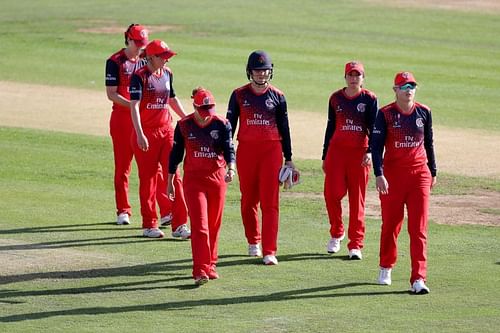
{"x":233,"y":112}
{"x":112,"y":74}
{"x":378,"y":142}
{"x":370,"y":121}
{"x":284,"y":128}
{"x":172,"y":92}
{"x":177,"y":153}
{"x":330,"y":128}
{"x":135,"y":88}
{"x":227,"y":144}
{"x":429,"y":144}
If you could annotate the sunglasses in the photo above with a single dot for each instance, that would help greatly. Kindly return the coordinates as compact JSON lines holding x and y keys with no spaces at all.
{"x":408,"y":86}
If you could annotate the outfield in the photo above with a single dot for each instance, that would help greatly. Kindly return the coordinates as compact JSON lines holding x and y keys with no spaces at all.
{"x":66,"y":266}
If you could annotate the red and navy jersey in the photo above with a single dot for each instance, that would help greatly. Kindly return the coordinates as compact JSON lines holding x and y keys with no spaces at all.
{"x":407,"y":138}
{"x":263,"y":116}
{"x":350,"y":120}
{"x":154,"y":92}
{"x":208,"y":147}
{"x":119,"y":70}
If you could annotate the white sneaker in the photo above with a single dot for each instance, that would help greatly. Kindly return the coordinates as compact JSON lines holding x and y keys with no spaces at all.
{"x":123,"y":218}
{"x":182,"y":231}
{"x":254,"y":250}
{"x":166,"y":220}
{"x":355,"y":254}
{"x":384,"y":276}
{"x":419,"y":287}
{"x":270,"y":260}
{"x":153,"y":233}
{"x":333,"y":245}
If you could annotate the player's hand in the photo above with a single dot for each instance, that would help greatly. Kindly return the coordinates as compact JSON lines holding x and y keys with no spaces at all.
{"x":143,"y":142}
{"x":367,"y":160}
{"x":433,"y":182}
{"x":229,"y":175}
{"x":382,"y":185}
{"x":171,"y":189}
{"x":323,"y":166}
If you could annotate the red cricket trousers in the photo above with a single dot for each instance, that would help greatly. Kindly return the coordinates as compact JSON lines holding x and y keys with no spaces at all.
{"x":410,"y":187}
{"x":121,"y":128}
{"x":205,"y":196}
{"x":258,"y":165}
{"x":160,"y":144}
{"x":345,"y":175}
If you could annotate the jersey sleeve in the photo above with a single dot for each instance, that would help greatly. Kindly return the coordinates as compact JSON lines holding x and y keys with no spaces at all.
{"x":370,"y":120}
{"x":227,"y":144}
{"x":177,"y":152}
{"x":172,"y":92}
{"x":112,"y":74}
{"x":330,"y":128}
{"x":378,"y":142}
{"x":284,"y":128}
{"x":233,"y":112}
{"x":135,"y":88}
{"x":429,"y":145}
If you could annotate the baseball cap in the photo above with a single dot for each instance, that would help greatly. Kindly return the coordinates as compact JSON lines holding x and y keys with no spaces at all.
{"x":203,"y":97}
{"x":354,"y":66}
{"x":403,"y":78}
{"x":138,"y":34}
{"x":159,"y":48}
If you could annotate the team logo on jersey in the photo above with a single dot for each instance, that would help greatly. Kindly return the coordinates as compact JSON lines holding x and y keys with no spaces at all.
{"x":150,"y":86}
{"x":270,"y":103}
{"x":214,"y":134}
{"x":338,"y":109}
{"x":420,"y":122}
{"x":397,"y":121}
{"x":246,"y":103}
{"x":191,"y":136}
{"x":361,"y":107}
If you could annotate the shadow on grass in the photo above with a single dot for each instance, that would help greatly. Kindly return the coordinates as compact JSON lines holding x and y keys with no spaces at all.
{"x":69,"y":228}
{"x":289,"y":295}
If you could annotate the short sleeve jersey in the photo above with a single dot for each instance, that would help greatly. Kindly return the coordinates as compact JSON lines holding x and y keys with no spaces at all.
{"x":207,"y":147}
{"x":407,"y":138}
{"x":119,"y":70}
{"x":350,"y":119}
{"x":154,"y":92}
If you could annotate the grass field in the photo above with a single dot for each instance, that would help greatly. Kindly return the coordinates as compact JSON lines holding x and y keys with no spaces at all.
{"x":65,"y":265}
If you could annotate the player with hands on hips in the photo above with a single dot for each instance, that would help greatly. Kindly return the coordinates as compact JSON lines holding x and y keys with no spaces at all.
{"x":208,"y":165}
{"x":151,"y":95}
{"x":347,"y":158}
{"x":263,"y":142}
{"x":406,"y":173}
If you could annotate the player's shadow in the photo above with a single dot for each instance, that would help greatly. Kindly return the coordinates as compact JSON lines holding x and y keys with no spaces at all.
{"x":331,"y":291}
{"x":103,"y":226}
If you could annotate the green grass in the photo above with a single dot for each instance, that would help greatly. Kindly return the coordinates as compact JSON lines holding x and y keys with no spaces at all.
{"x":455,"y":55}
{"x":77,"y":271}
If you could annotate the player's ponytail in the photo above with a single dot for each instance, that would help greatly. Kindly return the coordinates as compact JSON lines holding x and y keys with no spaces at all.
{"x":127,"y":32}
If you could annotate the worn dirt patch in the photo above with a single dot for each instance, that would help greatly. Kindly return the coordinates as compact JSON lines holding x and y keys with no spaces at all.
{"x":115,"y":28}
{"x":483,"y":6}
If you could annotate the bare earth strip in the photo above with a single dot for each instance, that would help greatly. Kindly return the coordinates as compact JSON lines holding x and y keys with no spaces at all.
{"x":463,"y":152}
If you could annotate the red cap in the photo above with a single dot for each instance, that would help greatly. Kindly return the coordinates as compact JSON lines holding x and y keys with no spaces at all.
{"x":159,"y":48}
{"x":203,"y":97}
{"x":354,"y":66}
{"x":138,"y":34}
{"x":403,"y":78}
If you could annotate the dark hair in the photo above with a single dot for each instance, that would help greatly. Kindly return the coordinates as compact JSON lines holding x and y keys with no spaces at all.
{"x":128,"y":31}
{"x":195,"y":90}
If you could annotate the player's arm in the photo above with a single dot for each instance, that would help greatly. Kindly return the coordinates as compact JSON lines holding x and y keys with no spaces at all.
{"x":330,"y":128}
{"x":174,"y":102}
{"x":135,"y":100}
{"x":228,"y":151}
{"x":377,"y":148}
{"x":233,"y":112}
{"x":112,"y":82}
{"x":284,"y":129}
{"x":175,"y":158}
{"x":429,"y":147}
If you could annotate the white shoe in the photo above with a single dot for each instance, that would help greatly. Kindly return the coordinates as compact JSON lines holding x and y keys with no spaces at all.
{"x":355,"y":254}
{"x":333,"y":245}
{"x":182,"y":231}
{"x":123,"y":218}
{"x":270,"y":260}
{"x":254,"y":250}
{"x":384,"y":276}
{"x":153,"y":233}
{"x":419,"y":287}
{"x":166,"y":220}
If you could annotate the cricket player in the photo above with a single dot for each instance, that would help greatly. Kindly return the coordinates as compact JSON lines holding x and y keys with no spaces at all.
{"x":405,"y":175}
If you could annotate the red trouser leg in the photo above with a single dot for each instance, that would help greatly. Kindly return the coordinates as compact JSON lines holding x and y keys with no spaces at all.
{"x":418,"y":207}
{"x":162,"y":198}
{"x":392,"y":205}
{"x":357,"y":180}
{"x":121,"y":130}
{"x":335,"y":188}
{"x":178,"y":207}
{"x":258,"y":169}
{"x":205,"y":199}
